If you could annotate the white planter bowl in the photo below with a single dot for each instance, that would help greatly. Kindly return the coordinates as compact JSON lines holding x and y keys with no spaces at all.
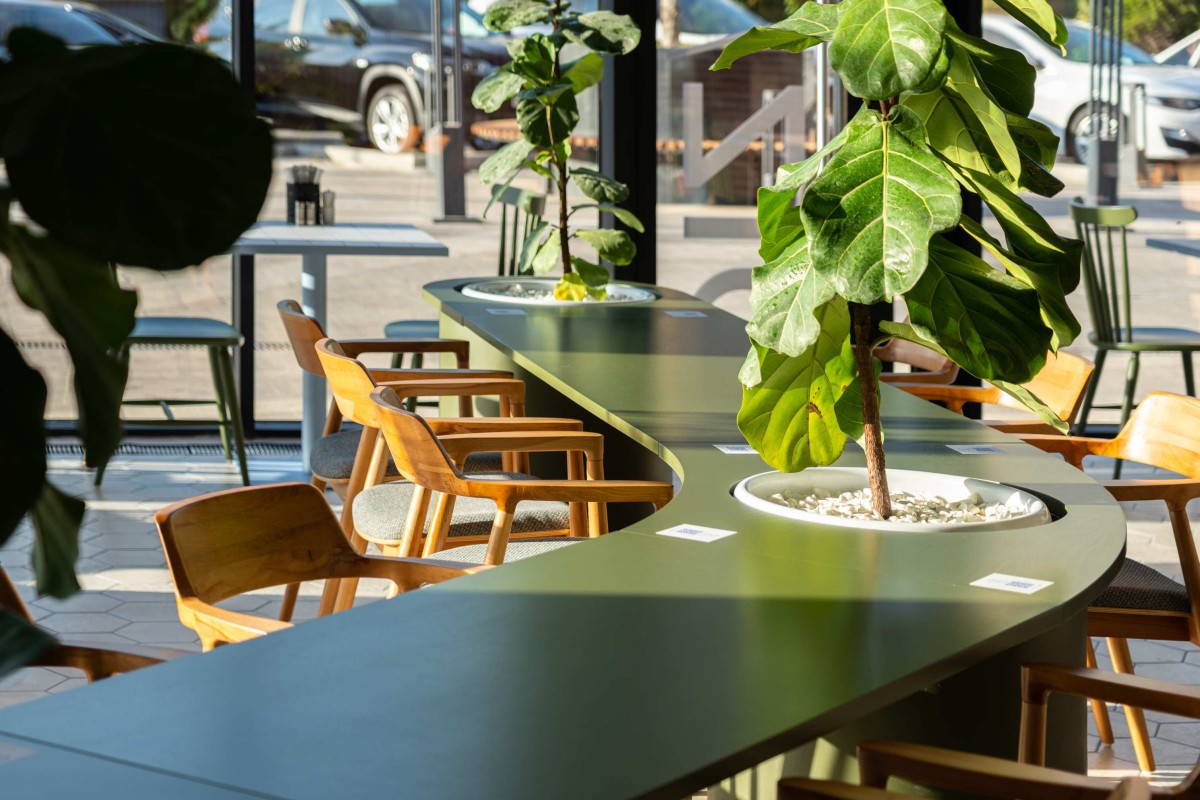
{"x":756,"y":492}
{"x":504,"y":290}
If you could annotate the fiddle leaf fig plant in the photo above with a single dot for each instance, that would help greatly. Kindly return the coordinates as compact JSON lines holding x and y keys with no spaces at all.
{"x":943,"y":111}
{"x":175,"y":165}
{"x":545,"y":87}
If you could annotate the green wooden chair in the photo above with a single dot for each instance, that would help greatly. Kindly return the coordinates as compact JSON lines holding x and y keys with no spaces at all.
{"x":1106,"y":280}
{"x":219,"y":339}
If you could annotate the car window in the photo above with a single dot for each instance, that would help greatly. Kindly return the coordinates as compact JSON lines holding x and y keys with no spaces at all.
{"x":1079,"y":39}
{"x":414,"y":16}
{"x":317,"y":11}
{"x":272,"y":15}
{"x":70,"y":26}
{"x":715,"y":17}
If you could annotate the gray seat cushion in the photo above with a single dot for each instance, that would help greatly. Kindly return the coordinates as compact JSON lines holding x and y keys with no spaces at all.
{"x":332,"y":457}
{"x":1143,"y":588}
{"x":411,"y":329}
{"x":183,"y":330}
{"x":525,"y":548}
{"x":380,"y":512}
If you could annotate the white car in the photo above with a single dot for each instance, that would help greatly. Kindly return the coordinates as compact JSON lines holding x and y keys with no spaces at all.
{"x":1172,"y":92}
{"x":1184,"y":53}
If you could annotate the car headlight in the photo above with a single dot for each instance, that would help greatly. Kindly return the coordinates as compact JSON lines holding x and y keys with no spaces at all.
{"x":421,"y":61}
{"x":1182,"y":103}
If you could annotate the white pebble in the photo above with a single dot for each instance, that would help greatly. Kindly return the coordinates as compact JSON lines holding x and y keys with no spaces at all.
{"x":906,"y":506}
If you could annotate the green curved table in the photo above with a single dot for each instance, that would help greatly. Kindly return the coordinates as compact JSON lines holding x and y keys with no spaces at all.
{"x":634,"y":665}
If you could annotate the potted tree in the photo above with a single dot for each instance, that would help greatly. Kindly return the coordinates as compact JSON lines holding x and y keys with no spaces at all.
{"x":878,"y":217}
{"x":545,"y":87}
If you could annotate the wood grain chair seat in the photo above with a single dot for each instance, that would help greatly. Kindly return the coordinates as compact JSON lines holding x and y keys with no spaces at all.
{"x":1138,"y":587}
{"x":332,"y":457}
{"x":218,"y":338}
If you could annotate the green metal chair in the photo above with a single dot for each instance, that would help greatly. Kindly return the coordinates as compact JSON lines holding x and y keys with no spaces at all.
{"x":1106,"y":280}
{"x":219,"y":338}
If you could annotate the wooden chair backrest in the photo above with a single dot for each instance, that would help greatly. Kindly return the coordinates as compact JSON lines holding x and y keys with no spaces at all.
{"x":415,"y":449}
{"x":1164,"y":432}
{"x":526,"y":210}
{"x":303,"y":332}
{"x":1105,"y":268}
{"x":239,"y":540}
{"x":9,"y":599}
{"x":936,"y":368}
{"x":1061,"y":385}
{"x":350,"y":383}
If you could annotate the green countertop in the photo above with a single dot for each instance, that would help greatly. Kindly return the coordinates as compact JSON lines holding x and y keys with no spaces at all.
{"x":634,"y":665}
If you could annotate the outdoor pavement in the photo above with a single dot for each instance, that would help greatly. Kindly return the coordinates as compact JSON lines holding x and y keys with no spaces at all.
{"x":127,"y":594}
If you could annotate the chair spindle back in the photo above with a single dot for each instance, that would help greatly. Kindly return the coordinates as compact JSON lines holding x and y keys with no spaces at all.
{"x":526,"y":210}
{"x":1106,"y":268}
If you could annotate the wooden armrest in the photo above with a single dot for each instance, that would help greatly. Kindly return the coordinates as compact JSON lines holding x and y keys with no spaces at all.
{"x":382,"y":374}
{"x":408,"y":573}
{"x":356,"y":347}
{"x":229,"y":626}
{"x":98,"y":661}
{"x":511,"y":388}
{"x":967,"y":772}
{"x":459,"y":446}
{"x":1171,"y":489}
{"x":809,"y":789}
{"x":447,"y":426}
{"x":586,"y":491}
{"x":1073,"y":448}
{"x":1038,"y":681}
{"x":953,"y":396}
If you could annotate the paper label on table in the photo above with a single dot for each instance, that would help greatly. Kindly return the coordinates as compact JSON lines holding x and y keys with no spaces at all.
{"x":976,"y":449}
{"x":736,"y":449}
{"x":507,"y":312}
{"x":686,"y":314}
{"x":1011,"y":583}
{"x":697,"y":533}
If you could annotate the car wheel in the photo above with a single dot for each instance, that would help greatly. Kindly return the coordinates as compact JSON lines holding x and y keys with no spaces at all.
{"x":1079,"y":131}
{"x":391,"y":122}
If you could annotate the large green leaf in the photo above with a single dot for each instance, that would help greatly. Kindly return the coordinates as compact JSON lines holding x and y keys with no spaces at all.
{"x":504,"y":161}
{"x":81,"y":300}
{"x":965,"y":125}
{"x":599,"y":187}
{"x":812,"y":24}
{"x":1034,"y":139}
{"x":56,"y":520}
{"x":1006,"y":73}
{"x":885,"y":47}
{"x":1028,"y":235}
{"x":495,"y":90}
{"x":1034,"y":404}
{"x":603,"y":31}
{"x":138,"y":107}
{"x":790,"y":417}
{"x":870,"y":215}
{"x":1039,"y":17}
{"x":505,"y":15}
{"x":627,"y":217}
{"x":593,"y":275}
{"x":543,"y":124}
{"x":1056,"y":313}
{"x":613,"y":246}
{"x":533,"y":58}
{"x":987,"y":322}
{"x":584,"y":72}
{"x":22,"y":438}
{"x":784,"y":298}
{"x":20,"y":641}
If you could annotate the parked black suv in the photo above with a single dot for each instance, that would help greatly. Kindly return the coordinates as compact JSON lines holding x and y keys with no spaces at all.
{"x":77,"y":24}
{"x":359,"y":65}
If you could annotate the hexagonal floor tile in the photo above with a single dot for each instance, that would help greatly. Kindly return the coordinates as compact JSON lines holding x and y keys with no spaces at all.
{"x":83,"y":623}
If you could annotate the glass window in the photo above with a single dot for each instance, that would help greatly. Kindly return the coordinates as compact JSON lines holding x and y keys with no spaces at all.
{"x":715,"y":17}
{"x":272,"y":15}
{"x":317,"y":11}
{"x":414,"y":17}
{"x":1079,"y":38}
{"x":70,"y":26}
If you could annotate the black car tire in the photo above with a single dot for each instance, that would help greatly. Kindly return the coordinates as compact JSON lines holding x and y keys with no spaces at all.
{"x":391,"y":122}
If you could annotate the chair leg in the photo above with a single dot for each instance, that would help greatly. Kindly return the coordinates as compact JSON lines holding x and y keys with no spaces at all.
{"x":222,"y":401}
{"x":1090,"y":396}
{"x":1131,"y":376}
{"x":416,"y":362}
{"x":1099,"y":709}
{"x":1118,"y":650}
{"x":235,"y":411}
{"x":1189,"y":377}
{"x":501,"y":530}
{"x":289,"y":602}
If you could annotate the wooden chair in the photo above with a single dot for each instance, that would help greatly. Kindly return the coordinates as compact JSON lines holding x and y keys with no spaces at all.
{"x":1142,"y":603}
{"x":94,"y":661}
{"x":379,"y":507}
{"x":431,"y":463}
{"x":1106,"y":281}
{"x":970,"y":774}
{"x":240,"y":540}
{"x":930,"y":367}
{"x":1061,"y":385}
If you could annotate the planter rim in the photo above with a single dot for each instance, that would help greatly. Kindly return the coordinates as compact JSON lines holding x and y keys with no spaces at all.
{"x":626,"y":294}
{"x":755,"y":491}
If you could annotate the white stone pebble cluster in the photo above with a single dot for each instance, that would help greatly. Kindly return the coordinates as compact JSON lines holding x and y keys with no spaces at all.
{"x":907,"y":507}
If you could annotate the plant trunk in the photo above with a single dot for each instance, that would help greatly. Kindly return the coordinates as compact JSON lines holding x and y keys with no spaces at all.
{"x":563,"y":212}
{"x":864,"y":359}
